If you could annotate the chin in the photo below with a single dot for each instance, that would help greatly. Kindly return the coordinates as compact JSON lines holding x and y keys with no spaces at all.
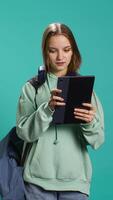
{"x":61,"y":68}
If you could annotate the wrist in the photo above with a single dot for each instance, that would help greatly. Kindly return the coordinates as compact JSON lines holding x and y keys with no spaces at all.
{"x":51,"y":107}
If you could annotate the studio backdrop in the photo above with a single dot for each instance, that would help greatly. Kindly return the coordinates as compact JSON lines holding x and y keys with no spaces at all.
{"x":21,"y":26}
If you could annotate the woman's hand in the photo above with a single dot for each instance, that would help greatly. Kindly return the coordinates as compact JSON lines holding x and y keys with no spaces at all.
{"x":86,"y":114}
{"x":55,"y":99}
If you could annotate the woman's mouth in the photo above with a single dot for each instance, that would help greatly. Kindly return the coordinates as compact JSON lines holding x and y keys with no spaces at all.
{"x":60,"y":63}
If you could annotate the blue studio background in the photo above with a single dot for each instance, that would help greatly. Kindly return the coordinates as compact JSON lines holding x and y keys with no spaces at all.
{"x":21,"y":26}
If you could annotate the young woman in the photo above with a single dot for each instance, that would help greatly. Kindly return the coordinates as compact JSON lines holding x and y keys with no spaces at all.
{"x":58,"y":168}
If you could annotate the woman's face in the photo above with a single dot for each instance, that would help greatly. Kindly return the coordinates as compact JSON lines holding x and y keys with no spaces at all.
{"x":59,"y":54}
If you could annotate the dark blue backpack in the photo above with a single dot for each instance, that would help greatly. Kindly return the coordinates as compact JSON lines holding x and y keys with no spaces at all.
{"x":12,"y":186}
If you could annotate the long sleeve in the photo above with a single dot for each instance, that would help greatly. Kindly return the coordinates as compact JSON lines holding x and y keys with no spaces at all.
{"x":94,"y":131}
{"x":32,"y":122}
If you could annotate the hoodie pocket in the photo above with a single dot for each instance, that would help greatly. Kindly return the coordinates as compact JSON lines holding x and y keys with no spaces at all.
{"x":42,"y":162}
{"x":70,"y":165}
{"x":64,"y":161}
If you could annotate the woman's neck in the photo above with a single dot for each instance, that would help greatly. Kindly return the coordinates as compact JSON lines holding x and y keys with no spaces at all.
{"x":59,"y":73}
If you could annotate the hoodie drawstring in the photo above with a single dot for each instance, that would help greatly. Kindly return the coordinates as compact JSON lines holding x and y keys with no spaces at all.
{"x":56,"y":135}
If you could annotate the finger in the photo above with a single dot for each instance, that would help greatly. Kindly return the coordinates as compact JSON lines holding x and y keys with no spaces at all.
{"x":59,"y":103}
{"x":57,"y":98}
{"x":55,"y":103}
{"x":84,"y":111}
{"x":80,"y":114}
{"x":80,"y":110}
{"x":55,"y":91}
{"x":89,"y":105}
{"x":89,"y":119}
{"x":85,"y":115}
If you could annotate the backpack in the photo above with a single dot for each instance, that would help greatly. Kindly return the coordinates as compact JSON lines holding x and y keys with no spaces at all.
{"x":12,"y":186}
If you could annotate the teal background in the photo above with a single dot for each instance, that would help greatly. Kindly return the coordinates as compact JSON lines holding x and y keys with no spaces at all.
{"x":21,"y":26}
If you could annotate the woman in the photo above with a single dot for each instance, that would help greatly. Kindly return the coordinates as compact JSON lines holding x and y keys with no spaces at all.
{"x":58,"y":167}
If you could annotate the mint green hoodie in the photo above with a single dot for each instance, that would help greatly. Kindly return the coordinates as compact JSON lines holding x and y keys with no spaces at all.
{"x":64,"y":165}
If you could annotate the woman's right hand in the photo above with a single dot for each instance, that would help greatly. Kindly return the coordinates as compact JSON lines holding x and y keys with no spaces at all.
{"x":55,"y":99}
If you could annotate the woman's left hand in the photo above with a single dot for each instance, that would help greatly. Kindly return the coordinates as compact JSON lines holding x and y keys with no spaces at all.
{"x":86,"y":114}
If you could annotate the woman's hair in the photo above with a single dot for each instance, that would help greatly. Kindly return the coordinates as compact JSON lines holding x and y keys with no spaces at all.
{"x":61,"y":29}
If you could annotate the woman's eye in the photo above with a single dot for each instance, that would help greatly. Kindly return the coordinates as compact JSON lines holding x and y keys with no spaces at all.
{"x":52,"y":50}
{"x":67,"y":50}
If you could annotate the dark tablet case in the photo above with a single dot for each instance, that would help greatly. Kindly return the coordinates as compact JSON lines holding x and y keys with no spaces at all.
{"x":75,"y":91}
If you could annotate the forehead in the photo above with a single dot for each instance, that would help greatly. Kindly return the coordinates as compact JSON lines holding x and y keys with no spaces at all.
{"x":58,"y":40}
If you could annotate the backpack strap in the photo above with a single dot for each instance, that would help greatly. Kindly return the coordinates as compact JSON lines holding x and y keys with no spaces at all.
{"x":39,"y":79}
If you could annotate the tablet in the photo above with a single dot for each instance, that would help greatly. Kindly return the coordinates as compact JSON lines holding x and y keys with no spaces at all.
{"x":75,"y":91}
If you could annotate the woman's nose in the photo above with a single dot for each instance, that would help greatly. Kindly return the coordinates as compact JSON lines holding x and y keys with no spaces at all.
{"x":60,"y":55}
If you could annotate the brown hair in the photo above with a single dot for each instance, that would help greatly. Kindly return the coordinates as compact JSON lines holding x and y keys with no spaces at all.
{"x":61,"y":29}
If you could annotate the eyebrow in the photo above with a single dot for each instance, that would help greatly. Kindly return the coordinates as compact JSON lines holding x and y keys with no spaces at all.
{"x":69,"y":46}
